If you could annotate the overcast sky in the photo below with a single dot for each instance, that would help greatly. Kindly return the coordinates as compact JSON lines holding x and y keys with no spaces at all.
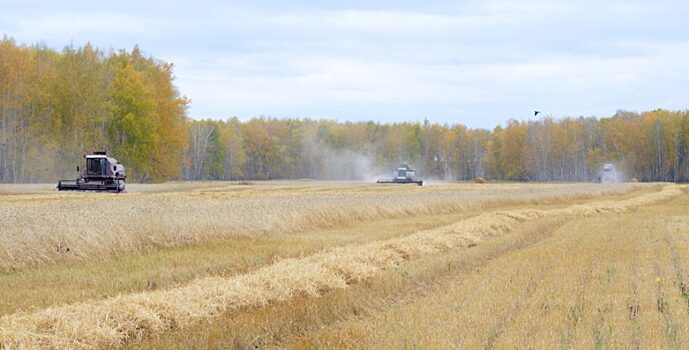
{"x":477,"y":63}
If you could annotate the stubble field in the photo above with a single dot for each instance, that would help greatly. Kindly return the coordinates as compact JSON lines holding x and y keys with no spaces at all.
{"x":308,"y":264}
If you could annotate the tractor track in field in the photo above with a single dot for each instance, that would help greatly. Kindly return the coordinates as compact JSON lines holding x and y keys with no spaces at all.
{"x":522,"y":299}
{"x":633,"y":303}
{"x":506,"y":319}
{"x":681,"y":277}
{"x":665,"y":296}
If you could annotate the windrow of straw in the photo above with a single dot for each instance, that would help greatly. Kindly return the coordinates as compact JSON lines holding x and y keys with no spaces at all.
{"x":44,"y":229}
{"x":113,"y":322}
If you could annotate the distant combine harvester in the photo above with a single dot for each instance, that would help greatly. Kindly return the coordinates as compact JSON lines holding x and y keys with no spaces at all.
{"x":102,"y":174}
{"x":609,"y":174}
{"x":404,"y":174}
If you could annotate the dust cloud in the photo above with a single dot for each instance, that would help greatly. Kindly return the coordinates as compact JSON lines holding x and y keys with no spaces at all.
{"x":324,"y":162}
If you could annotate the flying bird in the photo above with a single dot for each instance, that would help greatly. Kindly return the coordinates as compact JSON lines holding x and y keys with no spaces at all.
{"x":535,"y":113}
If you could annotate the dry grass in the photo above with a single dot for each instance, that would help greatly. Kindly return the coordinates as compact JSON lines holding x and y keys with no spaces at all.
{"x":606,"y":281}
{"x":289,"y":324}
{"x":44,"y":228}
{"x":34,"y":289}
{"x":125,"y":318}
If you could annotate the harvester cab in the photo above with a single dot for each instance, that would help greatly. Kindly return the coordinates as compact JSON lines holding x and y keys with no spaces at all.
{"x":404,"y":174}
{"x":102,"y":174}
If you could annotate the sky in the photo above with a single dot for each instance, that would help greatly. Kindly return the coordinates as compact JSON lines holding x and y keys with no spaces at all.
{"x":477,"y":63}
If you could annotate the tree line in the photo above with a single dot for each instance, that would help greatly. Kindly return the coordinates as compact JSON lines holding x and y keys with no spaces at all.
{"x":56,"y":106}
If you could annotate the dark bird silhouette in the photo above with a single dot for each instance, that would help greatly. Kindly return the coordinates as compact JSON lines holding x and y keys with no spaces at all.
{"x":535,"y":113}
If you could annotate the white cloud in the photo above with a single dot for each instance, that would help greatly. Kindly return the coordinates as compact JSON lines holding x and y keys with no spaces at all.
{"x":477,"y":62}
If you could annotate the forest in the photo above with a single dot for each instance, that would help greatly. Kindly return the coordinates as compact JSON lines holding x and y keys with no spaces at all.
{"x":56,"y":106}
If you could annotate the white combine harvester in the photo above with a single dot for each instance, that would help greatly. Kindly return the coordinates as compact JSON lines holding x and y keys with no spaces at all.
{"x":608,"y":175}
{"x":404,"y":174}
{"x":102,"y":174}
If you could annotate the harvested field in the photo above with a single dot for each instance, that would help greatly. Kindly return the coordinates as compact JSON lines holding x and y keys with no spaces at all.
{"x":349,"y":265}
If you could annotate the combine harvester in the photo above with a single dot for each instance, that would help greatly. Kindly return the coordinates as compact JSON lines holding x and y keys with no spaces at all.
{"x":403,"y":175}
{"x":609,"y":174}
{"x":102,"y":174}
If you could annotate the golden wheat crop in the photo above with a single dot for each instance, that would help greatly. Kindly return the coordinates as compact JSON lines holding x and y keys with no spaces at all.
{"x":43,"y":228}
{"x":115,"y":321}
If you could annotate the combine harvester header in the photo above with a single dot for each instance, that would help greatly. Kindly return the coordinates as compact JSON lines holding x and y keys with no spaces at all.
{"x":102,"y":174}
{"x":403,"y":175}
